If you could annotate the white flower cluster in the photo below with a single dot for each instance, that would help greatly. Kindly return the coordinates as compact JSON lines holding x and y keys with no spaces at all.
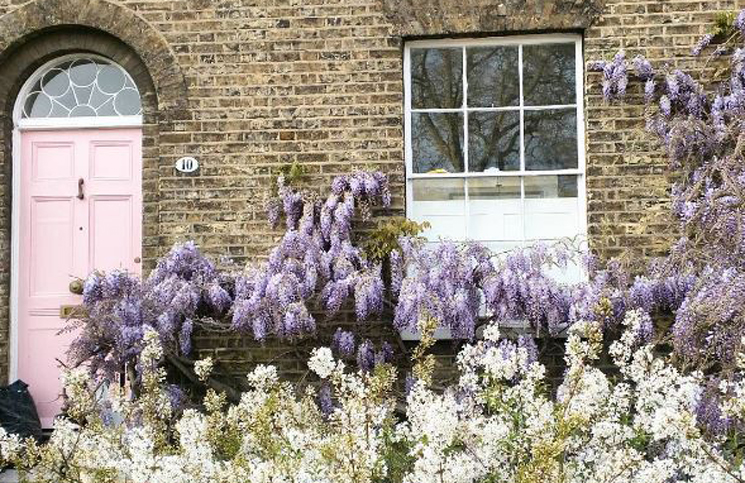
{"x":734,"y":392}
{"x":322,"y":362}
{"x":10,"y":446}
{"x":203,"y":368}
{"x":499,"y":424}
{"x":271,"y":436}
{"x":152,"y":351}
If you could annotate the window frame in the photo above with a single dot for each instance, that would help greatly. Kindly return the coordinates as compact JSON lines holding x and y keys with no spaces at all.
{"x":464,"y":109}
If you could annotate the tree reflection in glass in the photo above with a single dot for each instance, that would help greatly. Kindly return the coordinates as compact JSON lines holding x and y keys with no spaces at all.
{"x":437,"y":142}
{"x":551,"y":139}
{"x":436,"y":78}
{"x":494,"y":141}
{"x":493,"y":79}
{"x":549,"y":74}
{"x":493,"y":108}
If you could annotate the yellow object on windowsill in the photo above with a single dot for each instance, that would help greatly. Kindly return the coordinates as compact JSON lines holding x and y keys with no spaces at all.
{"x":438,"y":171}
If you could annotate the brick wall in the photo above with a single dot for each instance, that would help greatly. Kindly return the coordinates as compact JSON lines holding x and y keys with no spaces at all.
{"x":319,"y":82}
{"x":626,"y":177}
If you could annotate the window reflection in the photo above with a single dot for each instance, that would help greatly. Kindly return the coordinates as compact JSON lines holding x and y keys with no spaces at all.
{"x":494,"y":141}
{"x":549,"y":74}
{"x":437,"y":142}
{"x":493,"y":79}
{"x":495,"y":209}
{"x":441,"y":203}
{"x":436,"y":78}
{"x":551,"y":139}
{"x":551,"y":207}
{"x":561,"y":186}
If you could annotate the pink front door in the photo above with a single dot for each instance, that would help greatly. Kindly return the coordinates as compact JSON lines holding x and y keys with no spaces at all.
{"x":80,"y":210}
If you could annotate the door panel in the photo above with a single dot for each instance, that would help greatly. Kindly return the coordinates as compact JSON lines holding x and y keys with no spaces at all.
{"x":111,"y":160}
{"x":63,"y":236}
{"x":51,"y":219}
{"x":53,"y":161}
{"x":112,"y":239}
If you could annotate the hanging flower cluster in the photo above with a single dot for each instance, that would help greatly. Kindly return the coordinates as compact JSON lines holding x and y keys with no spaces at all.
{"x":443,"y":285}
{"x":701,"y":131}
{"x":315,"y":257}
{"x":463,"y":285}
{"x":118,"y":307}
{"x":315,"y":260}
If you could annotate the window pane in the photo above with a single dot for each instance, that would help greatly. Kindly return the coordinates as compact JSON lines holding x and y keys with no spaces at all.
{"x":494,"y":141}
{"x":55,"y":82}
{"x":127,"y":102}
{"x":493,"y":79}
{"x":437,"y":142}
{"x":561,"y":186}
{"x":83,"y":87}
{"x":551,"y":139}
{"x":495,"y":209}
{"x":551,"y":207}
{"x":549,"y":74}
{"x":83,"y":72}
{"x":436,"y":78}
{"x":441,"y":202}
{"x":37,"y":104}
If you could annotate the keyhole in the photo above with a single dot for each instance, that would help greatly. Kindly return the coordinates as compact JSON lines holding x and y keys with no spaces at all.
{"x":81,"y":228}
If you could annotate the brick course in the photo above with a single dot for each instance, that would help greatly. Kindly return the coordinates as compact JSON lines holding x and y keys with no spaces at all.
{"x":248,"y":85}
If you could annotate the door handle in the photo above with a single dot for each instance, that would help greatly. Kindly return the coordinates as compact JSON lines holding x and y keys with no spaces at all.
{"x":81,"y":184}
{"x":76,"y":286}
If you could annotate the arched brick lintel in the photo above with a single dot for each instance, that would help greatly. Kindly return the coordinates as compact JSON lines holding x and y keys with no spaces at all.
{"x":28,"y":21}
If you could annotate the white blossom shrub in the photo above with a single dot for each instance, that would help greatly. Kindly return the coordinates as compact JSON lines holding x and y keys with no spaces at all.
{"x":499,"y":423}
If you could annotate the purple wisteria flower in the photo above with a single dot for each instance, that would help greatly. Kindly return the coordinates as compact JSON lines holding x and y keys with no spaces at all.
{"x":702,"y":281}
{"x":443,"y":284}
{"x":324,"y":399}
{"x":366,"y":356}
{"x":184,"y":286}
{"x":315,"y":256}
{"x":344,"y":342}
{"x":702,"y":44}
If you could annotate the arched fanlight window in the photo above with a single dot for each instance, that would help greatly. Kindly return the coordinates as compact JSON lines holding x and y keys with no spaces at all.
{"x":81,"y":86}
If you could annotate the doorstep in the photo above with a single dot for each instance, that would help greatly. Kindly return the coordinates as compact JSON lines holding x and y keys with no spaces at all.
{"x":8,"y":476}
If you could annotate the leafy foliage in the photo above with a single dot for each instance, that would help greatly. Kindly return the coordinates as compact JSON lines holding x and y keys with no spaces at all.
{"x":381,"y":242}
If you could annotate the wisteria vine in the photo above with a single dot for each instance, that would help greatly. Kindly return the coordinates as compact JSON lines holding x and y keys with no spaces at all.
{"x":318,"y":268}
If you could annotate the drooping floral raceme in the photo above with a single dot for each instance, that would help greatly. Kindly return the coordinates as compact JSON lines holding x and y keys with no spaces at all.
{"x":315,"y":256}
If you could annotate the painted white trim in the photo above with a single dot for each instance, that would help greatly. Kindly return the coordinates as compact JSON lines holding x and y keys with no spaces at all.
{"x":20,"y":125}
{"x":581,"y":145}
{"x":15,"y":250}
{"x":53,"y":123}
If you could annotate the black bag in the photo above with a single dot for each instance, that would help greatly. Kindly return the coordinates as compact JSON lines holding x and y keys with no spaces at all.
{"x":17,"y":411}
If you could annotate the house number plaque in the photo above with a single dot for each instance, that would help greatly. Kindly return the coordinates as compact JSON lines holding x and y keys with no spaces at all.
{"x":187,"y":164}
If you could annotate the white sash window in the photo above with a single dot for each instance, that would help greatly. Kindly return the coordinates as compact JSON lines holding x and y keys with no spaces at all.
{"x":495,"y":139}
